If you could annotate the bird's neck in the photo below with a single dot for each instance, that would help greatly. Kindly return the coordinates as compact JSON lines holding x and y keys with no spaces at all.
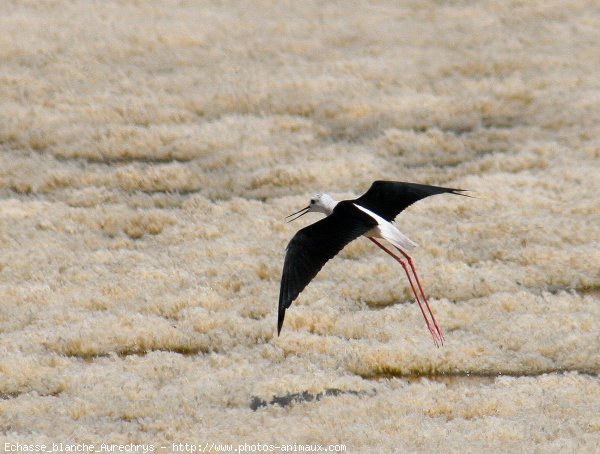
{"x":329,"y":204}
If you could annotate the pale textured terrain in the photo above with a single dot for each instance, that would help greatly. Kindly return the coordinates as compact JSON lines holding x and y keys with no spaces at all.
{"x":149,"y":152}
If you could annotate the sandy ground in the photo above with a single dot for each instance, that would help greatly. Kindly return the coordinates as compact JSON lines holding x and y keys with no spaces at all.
{"x":149,"y":152}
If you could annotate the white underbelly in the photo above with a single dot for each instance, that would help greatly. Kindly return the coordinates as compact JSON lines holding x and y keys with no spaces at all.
{"x":375,"y":232}
{"x":388,"y":231}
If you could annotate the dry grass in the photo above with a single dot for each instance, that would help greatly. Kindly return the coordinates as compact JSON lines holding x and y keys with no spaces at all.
{"x":150,"y":150}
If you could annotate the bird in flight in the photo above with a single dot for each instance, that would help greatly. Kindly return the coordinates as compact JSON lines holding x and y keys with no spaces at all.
{"x":370,"y":215}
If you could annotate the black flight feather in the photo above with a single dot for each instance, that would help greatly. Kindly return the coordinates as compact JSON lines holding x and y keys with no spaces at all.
{"x":314,"y":245}
{"x":389,"y":198}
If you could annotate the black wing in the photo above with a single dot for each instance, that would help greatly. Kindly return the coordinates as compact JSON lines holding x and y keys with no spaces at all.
{"x":389,"y":198}
{"x":314,"y":245}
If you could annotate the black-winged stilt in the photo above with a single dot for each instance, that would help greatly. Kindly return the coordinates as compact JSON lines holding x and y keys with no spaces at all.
{"x":370,"y":215}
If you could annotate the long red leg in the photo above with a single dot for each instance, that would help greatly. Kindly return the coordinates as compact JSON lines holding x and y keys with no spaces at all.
{"x":437,"y":340}
{"x":414,"y":270}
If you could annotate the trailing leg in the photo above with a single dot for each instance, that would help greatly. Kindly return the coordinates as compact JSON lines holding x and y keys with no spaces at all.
{"x":435,"y":333}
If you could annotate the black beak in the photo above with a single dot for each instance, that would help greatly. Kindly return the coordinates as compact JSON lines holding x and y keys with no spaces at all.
{"x":302,"y":212}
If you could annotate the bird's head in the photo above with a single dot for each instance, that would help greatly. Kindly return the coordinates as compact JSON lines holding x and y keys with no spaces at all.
{"x":321,"y":203}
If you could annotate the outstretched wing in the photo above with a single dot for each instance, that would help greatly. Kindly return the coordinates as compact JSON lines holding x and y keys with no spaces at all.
{"x":389,"y":198}
{"x":314,"y":245}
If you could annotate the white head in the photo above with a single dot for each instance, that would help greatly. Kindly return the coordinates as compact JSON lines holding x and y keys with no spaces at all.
{"x":322,"y":203}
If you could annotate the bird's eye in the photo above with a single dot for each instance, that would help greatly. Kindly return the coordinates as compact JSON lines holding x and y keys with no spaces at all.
{"x":312,"y":201}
